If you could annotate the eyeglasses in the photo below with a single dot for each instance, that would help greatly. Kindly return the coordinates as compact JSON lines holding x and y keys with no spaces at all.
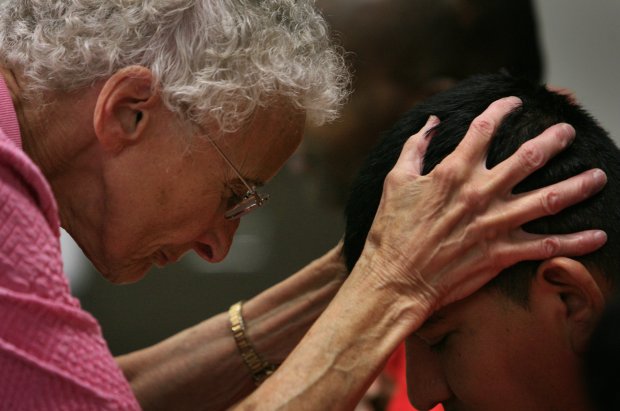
{"x":252,"y":198}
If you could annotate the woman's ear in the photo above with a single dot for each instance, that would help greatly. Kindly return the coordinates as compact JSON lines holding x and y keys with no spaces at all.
{"x":578,"y":293}
{"x":124,"y":107}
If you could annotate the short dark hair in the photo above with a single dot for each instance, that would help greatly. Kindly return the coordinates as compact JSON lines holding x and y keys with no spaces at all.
{"x":541,"y":108}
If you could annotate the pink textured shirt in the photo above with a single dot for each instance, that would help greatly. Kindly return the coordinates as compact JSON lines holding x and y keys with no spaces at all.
{"x":52,"y":353}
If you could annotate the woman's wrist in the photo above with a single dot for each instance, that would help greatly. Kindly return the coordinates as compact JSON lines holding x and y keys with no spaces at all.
{"x":276,"y":327}
{"x":279,"y":317}
{"x":397,"y":277}
{"x":405,"y":297}
{"x":258,"y":367}
{"x":348,"y":346}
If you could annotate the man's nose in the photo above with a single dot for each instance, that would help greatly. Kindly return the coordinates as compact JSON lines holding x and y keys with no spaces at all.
{"x":214,"y":244}
{"x":426,"y":383}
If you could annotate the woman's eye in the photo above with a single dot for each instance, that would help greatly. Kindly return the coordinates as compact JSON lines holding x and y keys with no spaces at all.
{"x":234,"y":199}
{"x":237,"y":194}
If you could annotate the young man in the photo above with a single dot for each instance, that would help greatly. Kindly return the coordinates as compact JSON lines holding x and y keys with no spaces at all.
{"x":516,"y":344}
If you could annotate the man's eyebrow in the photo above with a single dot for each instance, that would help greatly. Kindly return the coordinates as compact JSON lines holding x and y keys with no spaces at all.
{"x":432,"y":321}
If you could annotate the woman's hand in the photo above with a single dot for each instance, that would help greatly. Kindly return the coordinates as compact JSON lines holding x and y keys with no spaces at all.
{"x":444,"y":235}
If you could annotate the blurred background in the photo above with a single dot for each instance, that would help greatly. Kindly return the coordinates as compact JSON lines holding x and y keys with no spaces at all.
{"x":400,"y":52}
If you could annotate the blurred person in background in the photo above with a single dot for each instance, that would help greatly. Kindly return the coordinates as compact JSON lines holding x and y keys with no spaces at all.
{"x":402,"y":51}
{"x":146,"y":130}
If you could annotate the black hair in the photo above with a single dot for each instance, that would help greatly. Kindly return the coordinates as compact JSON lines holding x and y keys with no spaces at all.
{"x":541,"y":108}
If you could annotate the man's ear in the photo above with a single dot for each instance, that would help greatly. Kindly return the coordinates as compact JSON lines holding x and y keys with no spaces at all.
{"x":124,"y":107}
{"x":579,"y":297}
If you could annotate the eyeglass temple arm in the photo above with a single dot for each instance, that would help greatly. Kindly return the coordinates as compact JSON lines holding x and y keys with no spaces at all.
{"x":230,"y":164}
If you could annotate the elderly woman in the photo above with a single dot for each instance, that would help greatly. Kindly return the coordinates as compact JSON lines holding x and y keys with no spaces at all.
{"x":145,"y":129}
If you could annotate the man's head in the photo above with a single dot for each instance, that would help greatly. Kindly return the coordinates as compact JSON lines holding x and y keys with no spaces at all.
{"x":516,"y":344}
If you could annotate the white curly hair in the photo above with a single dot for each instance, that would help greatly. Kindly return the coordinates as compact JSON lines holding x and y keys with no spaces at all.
{"x":212,"y":59}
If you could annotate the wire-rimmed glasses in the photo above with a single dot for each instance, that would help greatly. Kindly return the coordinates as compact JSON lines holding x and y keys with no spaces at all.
{"x":250,"y":201}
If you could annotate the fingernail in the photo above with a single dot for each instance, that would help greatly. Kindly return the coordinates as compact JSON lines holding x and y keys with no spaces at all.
{"x":600,"y":236}
{"x":599,"y":176}
{"x":430,"y":123}
{"x":568,"y":134}
{"x":433,"y":120}
{"x":515,"y":101}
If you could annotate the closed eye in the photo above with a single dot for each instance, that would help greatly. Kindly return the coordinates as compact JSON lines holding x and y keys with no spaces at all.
{"x":234,"y":199}
{"x":238,"y":192}
{"x":440,"y":345}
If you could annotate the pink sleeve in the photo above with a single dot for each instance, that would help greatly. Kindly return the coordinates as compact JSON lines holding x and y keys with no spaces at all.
{"x":52,"y":353}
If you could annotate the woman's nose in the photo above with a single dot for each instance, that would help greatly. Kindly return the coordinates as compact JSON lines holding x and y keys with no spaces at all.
{"x":214,"y":244}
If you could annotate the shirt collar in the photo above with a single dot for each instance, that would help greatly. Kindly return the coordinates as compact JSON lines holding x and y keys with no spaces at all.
{"x":8,"y":118}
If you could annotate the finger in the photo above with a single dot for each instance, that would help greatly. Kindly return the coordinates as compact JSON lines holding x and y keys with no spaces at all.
{"x":532,"y":155}
{"x":555,"y":198}
{"x":474,"y":145}
{"x":566,"y":92}
{"x":525,"y":247}
{"x":414,"y":149}
{"x":541,"y":247}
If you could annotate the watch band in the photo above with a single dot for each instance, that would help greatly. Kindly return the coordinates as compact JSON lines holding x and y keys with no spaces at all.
{"x":259,"y":368}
